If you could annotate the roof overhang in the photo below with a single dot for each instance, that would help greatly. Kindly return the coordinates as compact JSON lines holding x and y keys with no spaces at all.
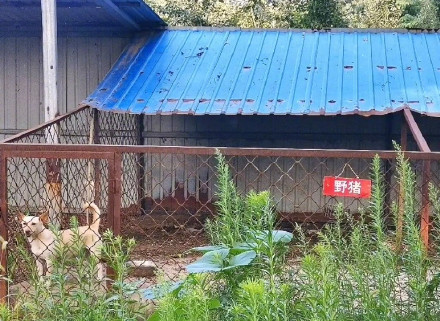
{"x":79,"y":17}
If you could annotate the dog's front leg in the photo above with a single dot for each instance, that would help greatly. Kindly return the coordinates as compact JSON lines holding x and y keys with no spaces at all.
{"x":100,"y":271}
{"x":40,"y":267}
{"x":49,"y":267}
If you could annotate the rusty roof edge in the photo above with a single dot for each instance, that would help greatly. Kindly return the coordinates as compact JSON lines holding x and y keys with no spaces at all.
{"x":300,"y":30}
{"x":348,"y":113}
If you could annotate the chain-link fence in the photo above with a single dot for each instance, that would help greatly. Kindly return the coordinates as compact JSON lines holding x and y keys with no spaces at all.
{"x":162,"y":196}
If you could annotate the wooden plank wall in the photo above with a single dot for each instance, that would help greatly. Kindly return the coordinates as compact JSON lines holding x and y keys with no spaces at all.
{"x":82,"y":63}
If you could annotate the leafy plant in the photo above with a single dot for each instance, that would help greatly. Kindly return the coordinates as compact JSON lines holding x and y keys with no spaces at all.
{"x":73,"y":291}
{"x":256,"y":301}
{"x":237,"y":216}
{"x":187,"y":301}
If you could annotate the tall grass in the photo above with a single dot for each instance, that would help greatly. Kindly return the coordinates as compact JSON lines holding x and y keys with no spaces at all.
{"x":237,"y":214}
{"x":361,"y":271}
{"x":73,"y":291}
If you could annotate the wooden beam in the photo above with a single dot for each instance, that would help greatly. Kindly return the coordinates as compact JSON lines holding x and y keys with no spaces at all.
{"x":425,"y":223}
{"x":415,"y":130}
{"x":118,"y":14}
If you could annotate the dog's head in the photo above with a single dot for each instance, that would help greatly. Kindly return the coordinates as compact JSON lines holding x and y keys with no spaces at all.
{"x":33,"y":225}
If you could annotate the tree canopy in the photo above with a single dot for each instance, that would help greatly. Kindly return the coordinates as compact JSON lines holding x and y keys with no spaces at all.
{"x":315,"y":14}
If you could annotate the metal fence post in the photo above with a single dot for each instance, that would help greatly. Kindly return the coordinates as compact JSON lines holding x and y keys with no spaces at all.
{"x":117,"y":194}
{"x":140,"y":168}
{"x":114,"y":201}
{"x":4,"y":289}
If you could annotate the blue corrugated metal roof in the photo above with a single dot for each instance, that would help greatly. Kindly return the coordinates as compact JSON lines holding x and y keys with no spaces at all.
{"x":274,"y":72}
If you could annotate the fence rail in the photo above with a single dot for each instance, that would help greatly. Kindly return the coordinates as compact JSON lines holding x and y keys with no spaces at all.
{"x":162,"y":195}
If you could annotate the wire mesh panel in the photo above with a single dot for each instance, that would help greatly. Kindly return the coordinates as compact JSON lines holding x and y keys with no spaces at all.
{"x":39,"y":206}
{"x":168,"y":193}
{"x":73,"y":128}
{"x":177,"y":192}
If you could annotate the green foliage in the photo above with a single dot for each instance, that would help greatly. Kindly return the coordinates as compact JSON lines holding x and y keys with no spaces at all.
{"x":191,"y":302}
{"x":250,"y":13}
{"x":237,"y":215}
{"x":221,"y":260}
{"x":73,"y":291}
{"x":255,"y":301}
{"x":323,"y":14}
{"x":222,"y":283}
{"x":374,"y":13}
{"x":421,"y":14}
{"x":316,"y":14}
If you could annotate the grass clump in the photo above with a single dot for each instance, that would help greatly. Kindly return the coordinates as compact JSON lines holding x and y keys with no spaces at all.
{"x":238,"y":215}
{"x":73,"y":291}
{"x":358,"y":270}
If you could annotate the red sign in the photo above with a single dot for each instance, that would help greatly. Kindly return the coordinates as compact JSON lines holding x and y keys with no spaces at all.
{"x":347,"y":187}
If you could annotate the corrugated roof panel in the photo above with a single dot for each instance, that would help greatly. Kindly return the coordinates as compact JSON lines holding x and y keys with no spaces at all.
{"x":206,"y":71}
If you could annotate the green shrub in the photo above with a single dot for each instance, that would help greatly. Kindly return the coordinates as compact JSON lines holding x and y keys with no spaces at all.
{"x":358,"y":270}
{"x":73,"y":292}
{"x":237,"y":215}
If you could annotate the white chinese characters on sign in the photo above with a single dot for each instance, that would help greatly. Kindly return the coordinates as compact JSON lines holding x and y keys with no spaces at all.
{"x":340,"y":186}
{"x":352,"y":187}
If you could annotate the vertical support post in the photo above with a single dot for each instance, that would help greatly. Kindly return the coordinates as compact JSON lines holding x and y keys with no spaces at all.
{"x":96,"y":140}
{"x":53,"y":190}
{"x":424,"y":147}
{"x":114,"y":202}
{"x":50,"y":67}
{"x":118,"y":194}
{"x":50,"y":63}
{"x":140,"y":169}
{"x":3,"y":227}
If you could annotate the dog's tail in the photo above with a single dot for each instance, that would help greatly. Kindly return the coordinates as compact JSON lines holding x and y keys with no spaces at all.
{"x":96,"y":215}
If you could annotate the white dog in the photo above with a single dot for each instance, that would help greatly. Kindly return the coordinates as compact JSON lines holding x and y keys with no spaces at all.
{"x":42,"y":240}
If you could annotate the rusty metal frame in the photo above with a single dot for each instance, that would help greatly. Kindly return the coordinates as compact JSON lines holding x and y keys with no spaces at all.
{"x":114,"y":189}
{"x":38,"y":150}
{"x":54,"y":121}
{"x":416,"y":132}
{"x":3,"y":225}
{"x":425,"y":223}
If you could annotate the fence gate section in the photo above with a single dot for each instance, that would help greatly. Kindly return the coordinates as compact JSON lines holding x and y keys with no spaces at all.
{"x":38,"y":179}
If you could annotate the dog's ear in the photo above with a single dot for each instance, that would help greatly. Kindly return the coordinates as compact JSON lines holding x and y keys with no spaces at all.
{"x":44,"y":217}
{"x":20,"y":216}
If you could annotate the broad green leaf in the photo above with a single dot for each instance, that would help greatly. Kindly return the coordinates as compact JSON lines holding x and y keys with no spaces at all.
{"x":244,"y":246}
{"x":282,"y":236}
{"x":212,"y":261}
{"x":277,"y":236}
{"x":242,"y":259}
{"x":155,"y":292}
{"x":209,"y":248}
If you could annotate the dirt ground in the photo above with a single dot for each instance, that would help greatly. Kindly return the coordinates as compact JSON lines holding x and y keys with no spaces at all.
{"x":167,"y":246}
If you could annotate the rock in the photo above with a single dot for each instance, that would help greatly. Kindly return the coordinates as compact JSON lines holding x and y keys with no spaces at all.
{"x":145,"y":269}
